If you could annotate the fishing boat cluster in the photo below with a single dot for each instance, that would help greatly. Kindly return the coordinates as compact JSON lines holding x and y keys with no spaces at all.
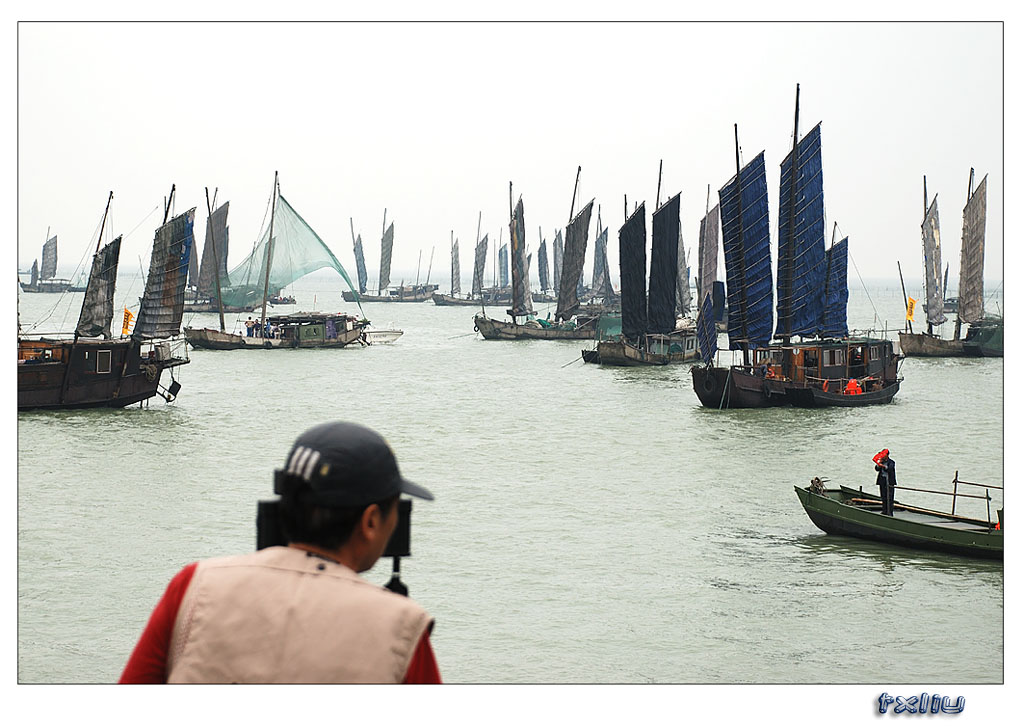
{"x":800,"y":354}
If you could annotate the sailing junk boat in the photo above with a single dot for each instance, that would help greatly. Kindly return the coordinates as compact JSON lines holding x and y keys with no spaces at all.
{"x":93,"y":369}
{"x":43,"y":280}
{"x":478,"y":296}
{"x":707,"y":268}
{"x":812,"y":294}
{"x":402,"y":294}
{"x":649,"y":332}
{"x":985,"y":333}
{"x":288,"y":250}
{"x":522,"y":301}
{"x":205,"y":300}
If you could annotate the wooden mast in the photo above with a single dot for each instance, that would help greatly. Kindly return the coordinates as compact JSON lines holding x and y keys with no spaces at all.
{"x":383,"y":229}
{"x":742,"y":269}
{"x":270,"y":246}
{"x":103,"y":223}
{"x":216,"y":258}
{"x":657,"y":197}
{"x":787,"y":279}
{"x":924,"y":220}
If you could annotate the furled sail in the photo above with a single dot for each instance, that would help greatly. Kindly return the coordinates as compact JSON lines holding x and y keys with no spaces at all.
{"x":503,"y":266}
{"x":837,"y":292}
{"x":216,"y":242}
{"x":542,"y":266}
{"x":932,"y":263}
{"x":632,"y":273}
{"x":683,"y":279}
{"x":164,"y":300}
{"x":601,"y":282}
{"x":479,"y":260}
{"x":98,"y":305}
{"x":572,"y":265}
{"x":295,"y":250}
{"x":386,"y":243}
{"x":661,"y":297}
{"x":801,"y":240}
{"x":557,"y":246}
{"x":522,"y":299}
{"x":49,"y":268}
{"x":972,"y":257}
{"x":456,"y":273}
{"x":357,"y":249}
{"x":748,"y":264}
{"x":707,"y":334}
{"x":707,"y":255}
{"x":193,"y":270}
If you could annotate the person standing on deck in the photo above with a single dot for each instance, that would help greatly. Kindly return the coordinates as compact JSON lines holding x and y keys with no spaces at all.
{"x":300,"y":613}
{"x":886,"y":480}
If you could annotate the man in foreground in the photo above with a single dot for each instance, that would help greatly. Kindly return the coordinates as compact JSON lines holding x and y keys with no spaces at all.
{"x":300,"y":613}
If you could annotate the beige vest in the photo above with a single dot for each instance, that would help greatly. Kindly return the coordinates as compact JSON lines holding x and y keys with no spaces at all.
{"x":282,"y":616}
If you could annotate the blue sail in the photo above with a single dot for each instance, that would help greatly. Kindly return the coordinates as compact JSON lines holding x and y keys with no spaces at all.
{"x":707,"y":334}
{"x":748,"y":262}
{"x":801,"y":276}
{"x":837,"y":292}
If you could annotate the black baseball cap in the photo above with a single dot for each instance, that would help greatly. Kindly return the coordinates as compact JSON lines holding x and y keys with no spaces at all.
{"x":345,"y":465}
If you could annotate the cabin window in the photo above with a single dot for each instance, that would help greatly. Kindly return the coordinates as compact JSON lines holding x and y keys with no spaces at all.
{"x":90,"y":361}
{"x":690,"y":344}
{"x":103,"y":362}
{"x":874,"y":353}
{"x":834,"y":358}
{"x":856,"y":356}
{"x":810,"y":358}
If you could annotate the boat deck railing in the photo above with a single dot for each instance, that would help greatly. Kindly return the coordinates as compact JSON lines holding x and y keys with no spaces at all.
{"x":956,"y":493}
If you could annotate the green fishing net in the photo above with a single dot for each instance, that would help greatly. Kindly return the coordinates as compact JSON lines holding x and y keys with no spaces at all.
{"x":295,"y":250}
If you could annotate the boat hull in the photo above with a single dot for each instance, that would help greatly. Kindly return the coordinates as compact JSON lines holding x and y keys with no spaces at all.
{"x":400,"y":296}
{"x":736,"y":388}
{"x":383,"y":336}
{"x":212,"y":308}
{"x":441,"y":299}
{"x":812,"y":397}
{"x":925,"y":345}
{"x":223,"y":341}
{"x":985,"y":339}
{"x":72,"y":378}
{"x":934,"y":532}
{"x":507,"y":331}
{"x":622,"y":354}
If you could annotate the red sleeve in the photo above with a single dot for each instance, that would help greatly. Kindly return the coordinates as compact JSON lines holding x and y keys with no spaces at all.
{"x":423,"y":667}
{"x":148,"y":663}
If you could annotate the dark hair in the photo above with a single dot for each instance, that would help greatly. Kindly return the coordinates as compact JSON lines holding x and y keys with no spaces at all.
{"x":325,"y":526}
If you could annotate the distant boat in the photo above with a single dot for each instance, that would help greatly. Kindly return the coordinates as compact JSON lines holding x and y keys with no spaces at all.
{"x":381,"y":336}
{"x":94,"y":369}
{"x":281,"y":257}
{"x":214,"y":263}
{"x":416,"y":293}
{"x":984,"y":336}
{"x":42,"y":278}
{"x":858,"y":514}
{"x":566,"y":324}
{"x":812,"y":298}
{"x":707,"y":265}
{"x":650,"y":335}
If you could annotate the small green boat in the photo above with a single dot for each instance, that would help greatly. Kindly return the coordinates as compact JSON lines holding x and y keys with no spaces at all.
{"x":849,"y":512}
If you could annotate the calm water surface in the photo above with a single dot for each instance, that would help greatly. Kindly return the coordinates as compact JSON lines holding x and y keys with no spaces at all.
{"x":591,"y":525}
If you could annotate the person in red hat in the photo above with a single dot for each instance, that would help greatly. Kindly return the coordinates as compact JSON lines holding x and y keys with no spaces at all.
{"x":886,"y":480}
{"x":299,"y":612}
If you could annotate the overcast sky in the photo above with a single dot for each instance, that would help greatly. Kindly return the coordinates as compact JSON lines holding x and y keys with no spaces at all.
{"x":432,"y":122}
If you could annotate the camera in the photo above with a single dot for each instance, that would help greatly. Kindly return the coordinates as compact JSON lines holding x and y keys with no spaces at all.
{"x":270,"y":533}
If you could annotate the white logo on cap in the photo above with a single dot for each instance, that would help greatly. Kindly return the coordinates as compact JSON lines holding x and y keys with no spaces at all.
{"x":302,"y":462}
